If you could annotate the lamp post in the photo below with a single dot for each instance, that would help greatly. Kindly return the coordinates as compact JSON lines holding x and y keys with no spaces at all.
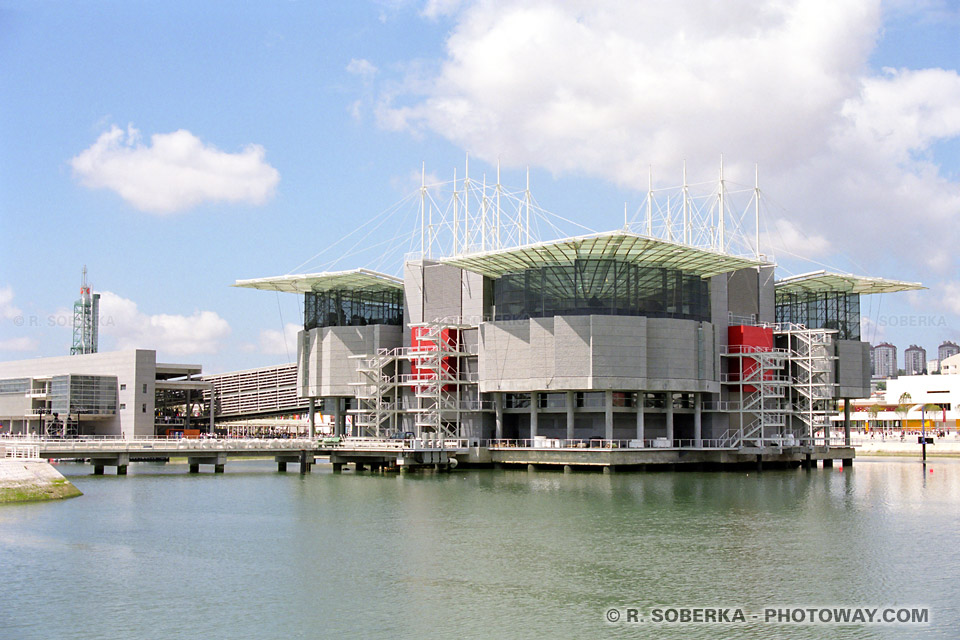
{"x":923,"y":431}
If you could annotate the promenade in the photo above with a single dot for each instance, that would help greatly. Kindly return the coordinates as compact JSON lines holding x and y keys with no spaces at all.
{"x":866,"y":446}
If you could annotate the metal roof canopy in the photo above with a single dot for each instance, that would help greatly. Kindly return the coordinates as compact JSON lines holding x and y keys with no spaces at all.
{"x":824,"y":281}
{"x":612,"y":245}
{"x":356,"y":279}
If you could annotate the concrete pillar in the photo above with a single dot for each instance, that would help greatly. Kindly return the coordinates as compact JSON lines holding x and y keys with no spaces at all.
{"x":669,"y":408}
{"x":759,"y":462}
{"x":846,"y":422}
{"x":312,"y":418}
{"x":121,"y":469}
{"x":534,"y":397}
{"x":281,"y":467}
{"x":570,"y":420}
{"x":847,"y":462}
{"x":640,"y":402}
{"x":498,"y":415}
{"x":337,"y":423}
{"x":218,"y":468}
{"x":698,"y":420}
{"x":213,"y":418}
{"x":337,"y":467}
{"x":827,"y":463}
{"x":608,"y":415}
{"x":305,"y":462}
{"x":98,"y":469}
{"x":194,"y":467}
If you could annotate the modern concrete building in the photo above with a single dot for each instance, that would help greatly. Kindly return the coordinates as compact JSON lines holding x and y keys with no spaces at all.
{"x":123,"y":393}
{"x":885,"y":360}
{"x":620,"y":337}
{"x":914,"y":360}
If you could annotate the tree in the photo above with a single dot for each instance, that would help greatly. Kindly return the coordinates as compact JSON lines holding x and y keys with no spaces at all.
{"x":873,"y":412}
{"x":903,"y":407}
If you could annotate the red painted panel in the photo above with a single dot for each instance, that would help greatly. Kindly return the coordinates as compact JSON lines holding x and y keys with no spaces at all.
{"x":747,"y":339}
{"x":450,"y":339}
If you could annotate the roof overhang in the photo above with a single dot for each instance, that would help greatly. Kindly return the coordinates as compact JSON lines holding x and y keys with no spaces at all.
{"x":356,"y":279}
{"x":614,"y":245}
{"x":826,"y":281}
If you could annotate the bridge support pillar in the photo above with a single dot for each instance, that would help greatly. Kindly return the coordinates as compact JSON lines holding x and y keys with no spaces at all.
{"x":337,"y":467}
{"x":847,"y":462}
{"x":306,"y":462}
{"x":216,"y":459}
{"x":195,"y":468}
{"x":281,"y":466}
{"x":806,"y":462}
{"x":759,"y":462}
{"x":827,"y":463}
{"x":121,"y":469}
{"x":218,"y":468}
{"x":98,"y":469}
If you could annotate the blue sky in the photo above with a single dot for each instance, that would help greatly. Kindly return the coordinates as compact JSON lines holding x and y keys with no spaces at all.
{"x":300,"y":121}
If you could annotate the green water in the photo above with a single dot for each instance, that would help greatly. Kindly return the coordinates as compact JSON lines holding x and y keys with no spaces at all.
{"x":493,"y":554}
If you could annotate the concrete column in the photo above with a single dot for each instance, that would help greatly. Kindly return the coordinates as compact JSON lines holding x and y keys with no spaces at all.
{"x":337,"y":426}
{"x":534,"y":397}
{"x":218,"y":468}
{"x":121,"y":469}
{"x":213,"y":418}
{"x":194,"y":467}
{"x":608,"y":415}
{"x":337,"y":467}
{"x":98,"y":469}
{"x":846,"y":422}
{"x":698,"y":420}
{"x":640,"y":402}
{"x":281,"y":466}
{"x":669,"y":407}
{"x":570,"y":420}
{"x":312,"y":418}
{"x":186,"y":412}
{"x":498,"y":415}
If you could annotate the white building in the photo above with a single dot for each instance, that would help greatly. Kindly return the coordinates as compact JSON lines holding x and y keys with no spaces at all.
{"x":124,"y":393}
{"x":951,"y":365}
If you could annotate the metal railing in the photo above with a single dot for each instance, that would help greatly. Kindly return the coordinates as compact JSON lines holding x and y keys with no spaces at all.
{"x":20,"y":451}
{"x":600,"y":443}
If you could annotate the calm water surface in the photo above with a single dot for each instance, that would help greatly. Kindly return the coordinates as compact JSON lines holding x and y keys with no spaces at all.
{"x":497,"y":554}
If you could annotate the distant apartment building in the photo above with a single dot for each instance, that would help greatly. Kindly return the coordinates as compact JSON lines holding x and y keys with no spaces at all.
{"x":947,"y":349}
{"x":933,"y":366}
{"x":914,"y":360}
{"x":884,"y":360}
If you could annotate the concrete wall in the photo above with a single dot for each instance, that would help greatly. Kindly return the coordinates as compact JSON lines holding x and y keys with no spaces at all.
{"x":136,"y":373}
{"x":853,"y":369}
{"x":597,"y":352}
{"x":325,"y":367}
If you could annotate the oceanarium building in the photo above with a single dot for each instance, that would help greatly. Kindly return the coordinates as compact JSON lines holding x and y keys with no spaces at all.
{"x":644,"y":337}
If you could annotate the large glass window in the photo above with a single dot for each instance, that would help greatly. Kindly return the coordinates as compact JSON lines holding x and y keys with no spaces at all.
{"x":601,"y":287}
{"x":342,"y":308}
{"x":90,"y":395}
{"x":822,"y":310}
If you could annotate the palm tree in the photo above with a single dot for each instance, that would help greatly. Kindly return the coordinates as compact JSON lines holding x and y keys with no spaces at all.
{"x":903,"y":407}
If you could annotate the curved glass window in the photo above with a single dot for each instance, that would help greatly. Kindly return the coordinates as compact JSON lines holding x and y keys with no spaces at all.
{"x":601,"y":287}
{"x":822,"y":310}
{"x":348,"y":307}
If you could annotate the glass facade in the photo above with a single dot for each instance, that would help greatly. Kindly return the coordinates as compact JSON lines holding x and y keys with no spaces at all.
{"x":342,"y":308}
{"x":15,"y":385}
{"x":822,"y":310}
{"x":89,"y":395}
{"x":601,"y":287}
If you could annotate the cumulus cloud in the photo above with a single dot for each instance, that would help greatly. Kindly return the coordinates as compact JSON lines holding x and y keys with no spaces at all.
{"x":122,"y":320}
{"x":580,"y":87}
{"x":280,"y":343}
{"x":175,"y":171}
{"x":362,"y":67}
{"x":7,"y":309}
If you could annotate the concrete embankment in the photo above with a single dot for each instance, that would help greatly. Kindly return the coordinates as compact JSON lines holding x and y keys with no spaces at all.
{"x":32,"y":480}
{"x":943,"y":448}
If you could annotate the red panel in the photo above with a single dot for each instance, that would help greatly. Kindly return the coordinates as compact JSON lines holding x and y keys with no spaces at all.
{"x":747,"y":339}
{"x":450,"y":338}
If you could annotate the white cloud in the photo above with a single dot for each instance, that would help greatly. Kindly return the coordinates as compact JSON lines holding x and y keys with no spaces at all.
{"x":362,"y":67}
{"x":949,"y":296}
{"x":793,"y":239}
{"x":436,"y":8}
{"x":175,"y":171}
{"x":121,"y":320}
{"x":280,"y":343}
{"x":19,"y":344}
{"x":7,"y":310}
{"x":581,"y":87}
